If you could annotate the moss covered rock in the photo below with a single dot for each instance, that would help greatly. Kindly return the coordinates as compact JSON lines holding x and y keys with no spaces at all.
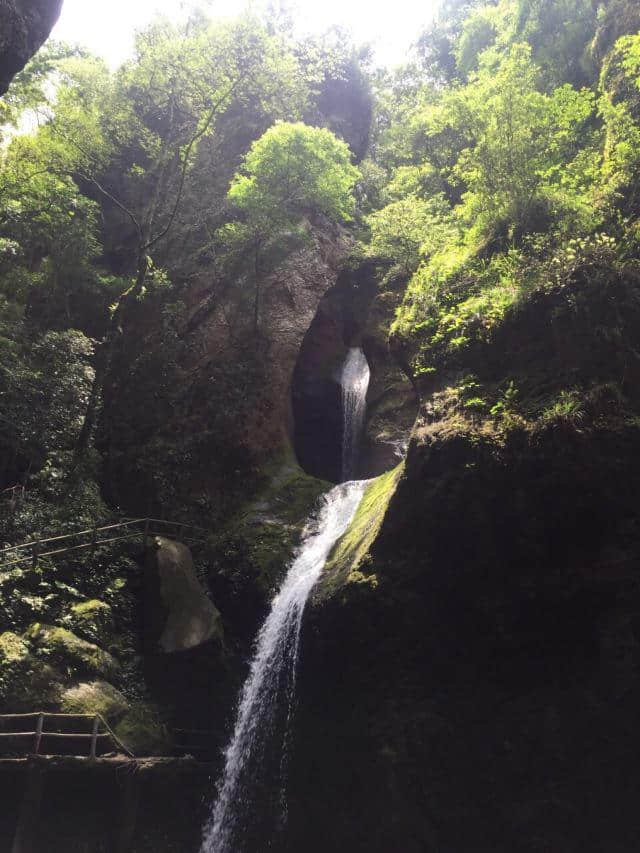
{"x":142,"y":731}
{"x":250,"y":555}
{"x":94,"y":697}
{"x":26,"y":683}
{"x":70,"y":653}
{"x":347,"y":564}
{"x":93,"y":620}
{"x":13,"y":649}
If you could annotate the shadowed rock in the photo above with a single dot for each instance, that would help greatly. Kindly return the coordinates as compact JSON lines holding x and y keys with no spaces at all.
{"x":24,"y":26}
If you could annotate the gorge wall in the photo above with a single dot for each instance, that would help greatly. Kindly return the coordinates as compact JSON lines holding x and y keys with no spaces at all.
{"x":487,"y":698}
{"x":24,"y":27}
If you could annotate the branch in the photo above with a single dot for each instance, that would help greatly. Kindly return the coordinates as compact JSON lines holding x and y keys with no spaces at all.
{"x":185,"y":162}
{"x":93,"y":180}
{"x":113,"y":199}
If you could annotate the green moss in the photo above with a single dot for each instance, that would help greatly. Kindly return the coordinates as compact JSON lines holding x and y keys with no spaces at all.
{"x":26,"y":683}
{"x":69,"y":652}
{"x":289,"y":493}
{"x":13,"y":649}
{"x":92,"y":619}
{"x":142,"y":731}
{"x":350,"y":554}
{"x":94,"y":697}
{"x":259,"y":542}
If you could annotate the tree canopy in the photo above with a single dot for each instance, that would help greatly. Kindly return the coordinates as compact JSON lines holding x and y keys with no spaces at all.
{"x":143,"y":200}
{"x":293,"y":168}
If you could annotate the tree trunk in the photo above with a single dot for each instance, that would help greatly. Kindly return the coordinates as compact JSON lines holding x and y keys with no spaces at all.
{"x":105,"y":358}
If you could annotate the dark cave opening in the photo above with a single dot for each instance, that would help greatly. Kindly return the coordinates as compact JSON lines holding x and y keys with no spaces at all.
{"x":316,"y":393}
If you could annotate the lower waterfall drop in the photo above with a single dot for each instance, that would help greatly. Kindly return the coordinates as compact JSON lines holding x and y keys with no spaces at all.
{"x":354,"y":380}
{"x":266,"y":700}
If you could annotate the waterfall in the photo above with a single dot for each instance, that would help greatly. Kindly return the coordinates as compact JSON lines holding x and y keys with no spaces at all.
{"x":354,"y":380}
{"x":266,"y":701}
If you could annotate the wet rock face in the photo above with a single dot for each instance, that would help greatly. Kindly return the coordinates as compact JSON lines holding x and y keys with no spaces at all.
{"x":289,"y":302}
{"x":351,"y":314}
{"x":24,"y":27}
{"x":481,"y":696}
{"x":484,"y":692}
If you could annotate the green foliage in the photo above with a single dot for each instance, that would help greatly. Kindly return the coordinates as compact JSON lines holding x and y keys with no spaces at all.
{"x":507,"y":403}
{"x":293,"y":168}
{"x":567,"y":408}
{"x":94,"y":697}
{"x":620,"y":110}
{"x":506,"y":171}
{"x":478,"y":33}
{"x":559,"y":32}
{"x":409,"y":229}
{"x":141,"y":730}
{"x":49,"y":373}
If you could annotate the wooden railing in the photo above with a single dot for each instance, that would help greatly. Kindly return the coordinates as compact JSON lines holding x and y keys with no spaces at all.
{"x":133,"y":528}
{"x":41,"y":733}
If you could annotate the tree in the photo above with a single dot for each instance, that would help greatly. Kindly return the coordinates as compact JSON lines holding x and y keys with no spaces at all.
{"x":506,"y":171}
{"x":131,"y":140}
{"x":292,"y":169}
{"x":620,"y":108}
{"x":410,"y":229}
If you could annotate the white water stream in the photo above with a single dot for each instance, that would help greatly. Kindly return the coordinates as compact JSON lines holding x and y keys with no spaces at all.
{"x":267,"y":699}
{"x":354,"y":380}
{"x":276,"y":650}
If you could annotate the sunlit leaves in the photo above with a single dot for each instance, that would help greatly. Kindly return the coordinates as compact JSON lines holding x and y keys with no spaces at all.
{"x":411,"y":229}
{"x":293,"y":168}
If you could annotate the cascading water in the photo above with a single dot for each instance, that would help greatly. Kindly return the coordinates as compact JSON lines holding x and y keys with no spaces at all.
{"x":354,"y":380}
{"x":266,"y":701}
{"x":251,"y":794}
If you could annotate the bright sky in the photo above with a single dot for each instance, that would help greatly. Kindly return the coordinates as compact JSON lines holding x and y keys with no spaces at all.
{"x":107,"y":28}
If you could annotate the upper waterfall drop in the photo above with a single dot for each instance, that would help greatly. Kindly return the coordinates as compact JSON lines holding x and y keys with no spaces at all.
{"x":256,"y":757}
{"x":354,"y":380}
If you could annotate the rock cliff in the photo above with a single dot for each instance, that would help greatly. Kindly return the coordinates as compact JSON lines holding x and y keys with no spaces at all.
{"x":473,"y":684}
{"x":24,"y":27}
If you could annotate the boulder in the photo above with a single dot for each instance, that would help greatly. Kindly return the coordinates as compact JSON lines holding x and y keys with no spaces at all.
{"x":180,"y":616}
{"x":94,"y":697}
{"x":142,"y":731}
{"x":69,"y":653}
{"x":25,"y":681}
{"x":92,"y":619}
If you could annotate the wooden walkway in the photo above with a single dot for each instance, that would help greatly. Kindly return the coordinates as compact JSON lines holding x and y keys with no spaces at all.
{"x":129,"y":529}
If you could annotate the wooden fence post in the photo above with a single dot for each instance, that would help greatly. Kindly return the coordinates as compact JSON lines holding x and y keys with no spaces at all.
{"x":34,"y":555}
{"x":94,"y":736}
{"x":38,"y":740}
